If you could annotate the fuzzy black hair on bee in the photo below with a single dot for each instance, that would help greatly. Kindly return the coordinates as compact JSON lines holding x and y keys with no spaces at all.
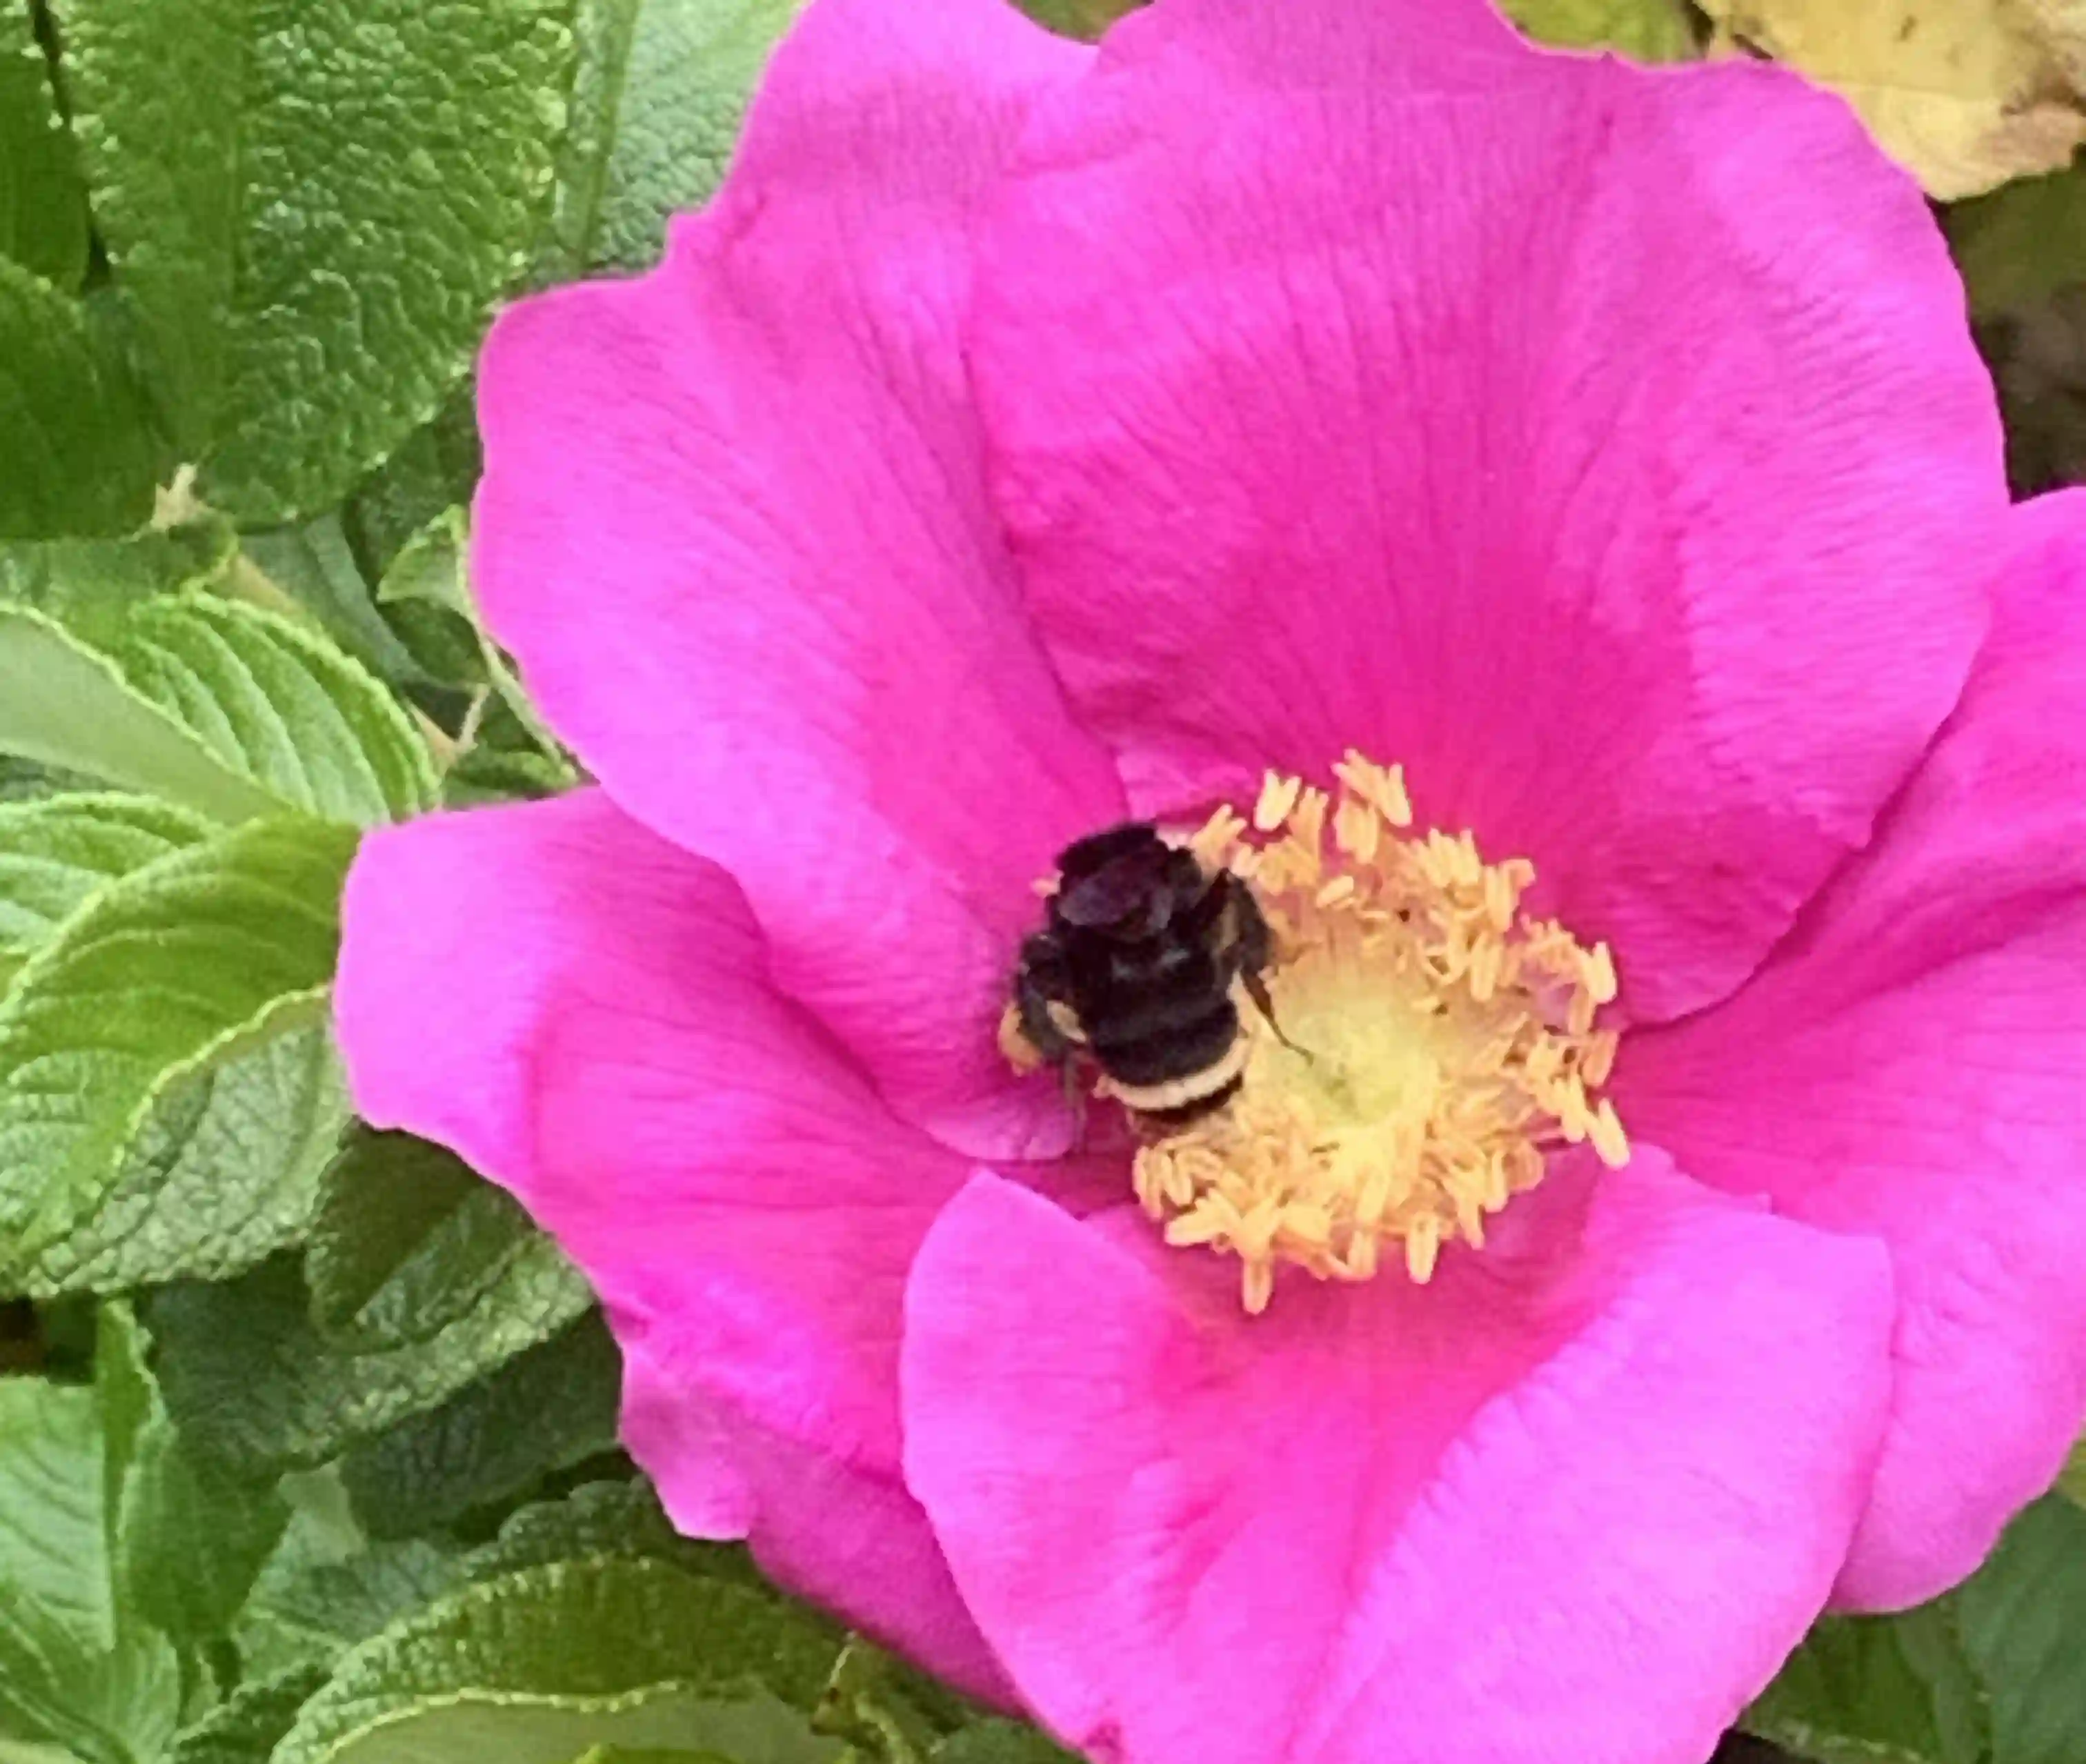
{"x":1137,"y":969}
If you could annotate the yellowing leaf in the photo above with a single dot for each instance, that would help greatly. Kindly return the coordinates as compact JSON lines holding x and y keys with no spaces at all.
{"x":1965,"y":94}
{"x":1645,"y":30}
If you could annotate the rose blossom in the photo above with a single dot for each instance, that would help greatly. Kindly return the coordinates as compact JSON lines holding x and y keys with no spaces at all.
{"x":1030,"y":437}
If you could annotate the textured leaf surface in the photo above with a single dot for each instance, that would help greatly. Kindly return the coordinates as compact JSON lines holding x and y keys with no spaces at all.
{"x":1647,"y":30}
{"x":43,"y":204}
{"x":314,"y":1600}
{"x":53,"y":1543}
{"x":229,"y":712}
{"x":224,"y":1171}
{"x":1965,"y":93}
{"x":81,"y":457}
{"x":544,"y":1410}
{"x":1988,"y":1675}
{"x":428,"y":581}
{"x":314,"y":564}
{"x":1000,"y":1742}
{"x":188,"y":1540}
{"x":407,"y":1238}
{"x":251,"y":1381}
{"x":75,"y":1670}
{"x":244,"y":1728}
{"x":64,"y":705}
{"x":90,"y":586}
{"x":56,"y":852}
{"x":358,"y":181}
{"x":276,"y":705}
{"x":2021,"y":1616}
{"x":537,"y":1666}
{"x":602,"y":1518}
{"x":1879,"y":1690}
{"x":662,"y":89}
{"x":159,"y":975}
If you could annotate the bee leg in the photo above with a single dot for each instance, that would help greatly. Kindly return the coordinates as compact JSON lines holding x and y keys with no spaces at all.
{"x":1257,"y":990}
{"x":1252,"y":948}
{"x":1039,"y":987}
{"x":1075,"y":1099}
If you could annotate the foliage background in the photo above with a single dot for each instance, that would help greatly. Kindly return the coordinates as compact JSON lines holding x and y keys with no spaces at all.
{"x":307,"y":1437}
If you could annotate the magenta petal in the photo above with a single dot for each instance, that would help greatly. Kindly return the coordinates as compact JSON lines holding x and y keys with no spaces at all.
{"x":1913,"y":1064}
{"x":733,"y":524}
{"x":582,"y":1010}
{"x":1606,"y":445}
{"x":1575,"y":1500}
{"x":849,"y":1537}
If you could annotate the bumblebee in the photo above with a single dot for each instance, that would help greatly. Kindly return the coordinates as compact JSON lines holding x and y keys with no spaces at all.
{"x":1138,"y":968}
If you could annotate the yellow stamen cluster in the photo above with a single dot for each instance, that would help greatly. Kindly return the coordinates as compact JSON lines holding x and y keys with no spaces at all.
{"x":1439,"y":1043}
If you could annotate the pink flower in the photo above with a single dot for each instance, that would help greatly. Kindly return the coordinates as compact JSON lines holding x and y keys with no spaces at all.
{"x":1030,"y":437}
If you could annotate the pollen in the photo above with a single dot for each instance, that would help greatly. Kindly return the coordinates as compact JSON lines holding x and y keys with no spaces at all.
{"x":1430,"y":1045}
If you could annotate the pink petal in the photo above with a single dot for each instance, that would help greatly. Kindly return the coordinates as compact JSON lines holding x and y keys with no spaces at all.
{"x":848,"y":1537}
{"x":1606,"y":445}
{"x":582,"y":1010}
{"x":1912,"y":1064}
{"x":1575,"y":1500}
{"x":734,"y":525}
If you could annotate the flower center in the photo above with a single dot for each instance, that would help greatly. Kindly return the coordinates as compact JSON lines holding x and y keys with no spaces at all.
{"x":1429,"y":1044}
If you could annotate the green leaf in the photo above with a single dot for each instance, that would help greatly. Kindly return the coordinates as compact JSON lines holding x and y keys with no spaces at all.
{"x":545,"y":1410}
{"x":76,"y":1669}
{"x":428,"y":578}
{"x":90,"y":586}
{"x":315,"y":1599}
{"x":177,"y":966}
{"x":886,"y":1711}
{"x":246,"y":1727}
{"x":650,"y":1755}
{"x":1647,"y":30}
{"x":56,"y":852}
{"x":535,"y":1667}
{"x":313,"y":566}
{"x":602,"y":1518}
{"x":357,"y":182}
{"x":190,"y":1539}
{"x":252,"y":1382}
{"x":1000,"y":1742}
{"x":223,"y":709}
{"x":22,"y":780}
{"x":278,"y":705}
{"x":487,"y":774}
{"x":1085,"y":19}
{"x":2020,"y":244}
{"x":2072,"y":1479}
{"x":43,"y":204}
{"x":82,"y":459}
{"x":53,"y":1544}
{"x":63,"y":705}
{"x":662,"y":90}
{"x":407,"y":1239}
{"x":435,"y":468}
{"x":1988,"y":1675}
{"x":224,"y":1172}
{"x":2021,"y":1616}
{"x":1878,"y":1691}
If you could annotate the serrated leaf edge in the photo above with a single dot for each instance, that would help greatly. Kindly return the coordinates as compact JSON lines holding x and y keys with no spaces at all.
{"x":262,"y":803}
{"x":458,"y":1605}
{"x":315,"y":655}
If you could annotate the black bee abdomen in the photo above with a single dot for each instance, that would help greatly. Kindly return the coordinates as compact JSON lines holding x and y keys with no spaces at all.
{"x":1137,"y":964}
{"x":1180,"y":1050}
